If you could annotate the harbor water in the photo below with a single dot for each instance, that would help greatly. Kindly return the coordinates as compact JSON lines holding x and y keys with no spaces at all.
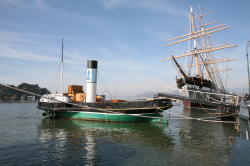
{"x":29,"y":139}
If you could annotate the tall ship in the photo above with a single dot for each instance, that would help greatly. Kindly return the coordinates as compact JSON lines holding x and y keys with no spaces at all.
{"x":199,"y":79}
{"x":87,"y":105}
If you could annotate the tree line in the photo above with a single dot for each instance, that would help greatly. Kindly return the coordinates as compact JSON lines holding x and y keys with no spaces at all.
{"x":11,"y":95}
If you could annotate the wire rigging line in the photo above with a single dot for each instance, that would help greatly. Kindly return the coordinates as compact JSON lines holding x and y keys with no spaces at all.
{"x":103,"y":84}
{"x":202,"y":119}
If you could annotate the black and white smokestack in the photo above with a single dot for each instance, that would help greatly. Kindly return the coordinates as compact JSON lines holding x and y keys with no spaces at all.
{"x":91,"y":80}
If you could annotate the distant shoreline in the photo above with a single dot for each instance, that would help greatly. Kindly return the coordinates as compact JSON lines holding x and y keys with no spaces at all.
{"x":10,"y":102}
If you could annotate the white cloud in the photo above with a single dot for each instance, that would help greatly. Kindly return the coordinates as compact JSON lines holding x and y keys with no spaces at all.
{"x":24,"y":46}
{"x":13,"y":2}
{"x":15,"y":53}
{"x":27,"y":3}
{"x":112,"y":3}
{"x":153,"y":5}
{"x":41,"y":4}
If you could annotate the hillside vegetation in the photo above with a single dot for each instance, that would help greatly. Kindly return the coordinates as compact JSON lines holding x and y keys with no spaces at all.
{"x":11,"y":95}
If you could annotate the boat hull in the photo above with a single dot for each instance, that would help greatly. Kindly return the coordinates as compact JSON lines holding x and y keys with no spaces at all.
{"x":94,"y":116}
{"x":190,"y":104}
{"x":138,"y":111}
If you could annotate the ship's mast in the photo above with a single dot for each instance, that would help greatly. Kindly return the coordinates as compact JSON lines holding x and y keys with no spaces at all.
{"x":204,"y":43}
{"x":62,"y":68}
{"x":194,"y":41}
{"x":248,"y":45}
{"x":201,"y":49}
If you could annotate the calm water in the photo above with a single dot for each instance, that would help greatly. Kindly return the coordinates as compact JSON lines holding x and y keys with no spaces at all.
{"x":28,"y":139}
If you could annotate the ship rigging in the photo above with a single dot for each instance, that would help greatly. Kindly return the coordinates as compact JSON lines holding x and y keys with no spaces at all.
{"x":201,"y":73}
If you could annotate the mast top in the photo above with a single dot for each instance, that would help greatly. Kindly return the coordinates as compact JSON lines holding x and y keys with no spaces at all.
{"x":191,"y":9}
{"x":62,"y":49}
{"x":200,"y":37}
{"x":62,"y":68}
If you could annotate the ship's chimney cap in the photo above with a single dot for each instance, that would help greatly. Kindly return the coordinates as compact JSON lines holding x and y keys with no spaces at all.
{"x":92,"y":64}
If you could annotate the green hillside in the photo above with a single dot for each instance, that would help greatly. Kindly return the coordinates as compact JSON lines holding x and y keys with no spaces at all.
{"x":11,"y":95}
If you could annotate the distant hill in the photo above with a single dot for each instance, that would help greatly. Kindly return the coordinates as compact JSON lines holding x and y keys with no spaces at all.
{"x":150,"y":94}
{"x":147,"y":94}
{"x":11,"y":95}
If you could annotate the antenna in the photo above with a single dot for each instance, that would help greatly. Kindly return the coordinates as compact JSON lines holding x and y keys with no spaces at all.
{"x":248,"y":45}
{"x":62,"y":68}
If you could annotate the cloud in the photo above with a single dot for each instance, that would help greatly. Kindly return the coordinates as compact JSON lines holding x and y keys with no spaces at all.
{"x":34,"y":47}
{"x":41,"y":4}
{"x":25,"y":46}
{"x":153,"y":5}
{"x":113,"y":3}
{"x":15,"y":53}
{"x":13,"y":2}
{"x":27,"y":3}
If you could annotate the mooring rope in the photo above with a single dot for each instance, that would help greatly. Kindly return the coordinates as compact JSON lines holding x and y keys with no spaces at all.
{"x":204,"y":119}
{"x":200,"y":108}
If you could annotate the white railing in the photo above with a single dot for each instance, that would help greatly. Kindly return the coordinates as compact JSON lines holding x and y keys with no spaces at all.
{"x":216,"y":97}
{"x":210,"y":96}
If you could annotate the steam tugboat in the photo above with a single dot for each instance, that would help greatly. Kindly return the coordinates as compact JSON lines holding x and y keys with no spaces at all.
{"x":77,"y":104}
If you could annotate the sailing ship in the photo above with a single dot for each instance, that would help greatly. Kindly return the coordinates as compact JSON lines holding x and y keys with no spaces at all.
{"x":199,"y":81}
{"x":77,"y":104}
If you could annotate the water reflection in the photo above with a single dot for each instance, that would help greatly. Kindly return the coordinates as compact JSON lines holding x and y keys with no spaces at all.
{"x":199,"y":143}
{"x":27,"y":139}
{"x":88,"y":142}
{"x":97,"y":143}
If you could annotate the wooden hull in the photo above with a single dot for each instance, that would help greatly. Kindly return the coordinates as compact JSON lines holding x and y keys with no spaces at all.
{"x":190,"y":104}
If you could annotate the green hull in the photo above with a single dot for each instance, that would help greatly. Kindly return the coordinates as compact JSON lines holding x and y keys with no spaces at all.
{"x":150,"y":117}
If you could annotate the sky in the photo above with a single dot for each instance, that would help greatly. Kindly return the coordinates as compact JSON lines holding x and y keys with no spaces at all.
{"x":127,"y":38}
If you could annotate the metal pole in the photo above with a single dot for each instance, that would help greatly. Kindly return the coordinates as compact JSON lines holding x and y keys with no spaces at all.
{"x":248,"y":44}
{"x":62,"y":68}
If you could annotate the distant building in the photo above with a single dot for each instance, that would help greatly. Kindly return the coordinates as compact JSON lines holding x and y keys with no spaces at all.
{"x":22,"y":98}
{"x":31,"y":98}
